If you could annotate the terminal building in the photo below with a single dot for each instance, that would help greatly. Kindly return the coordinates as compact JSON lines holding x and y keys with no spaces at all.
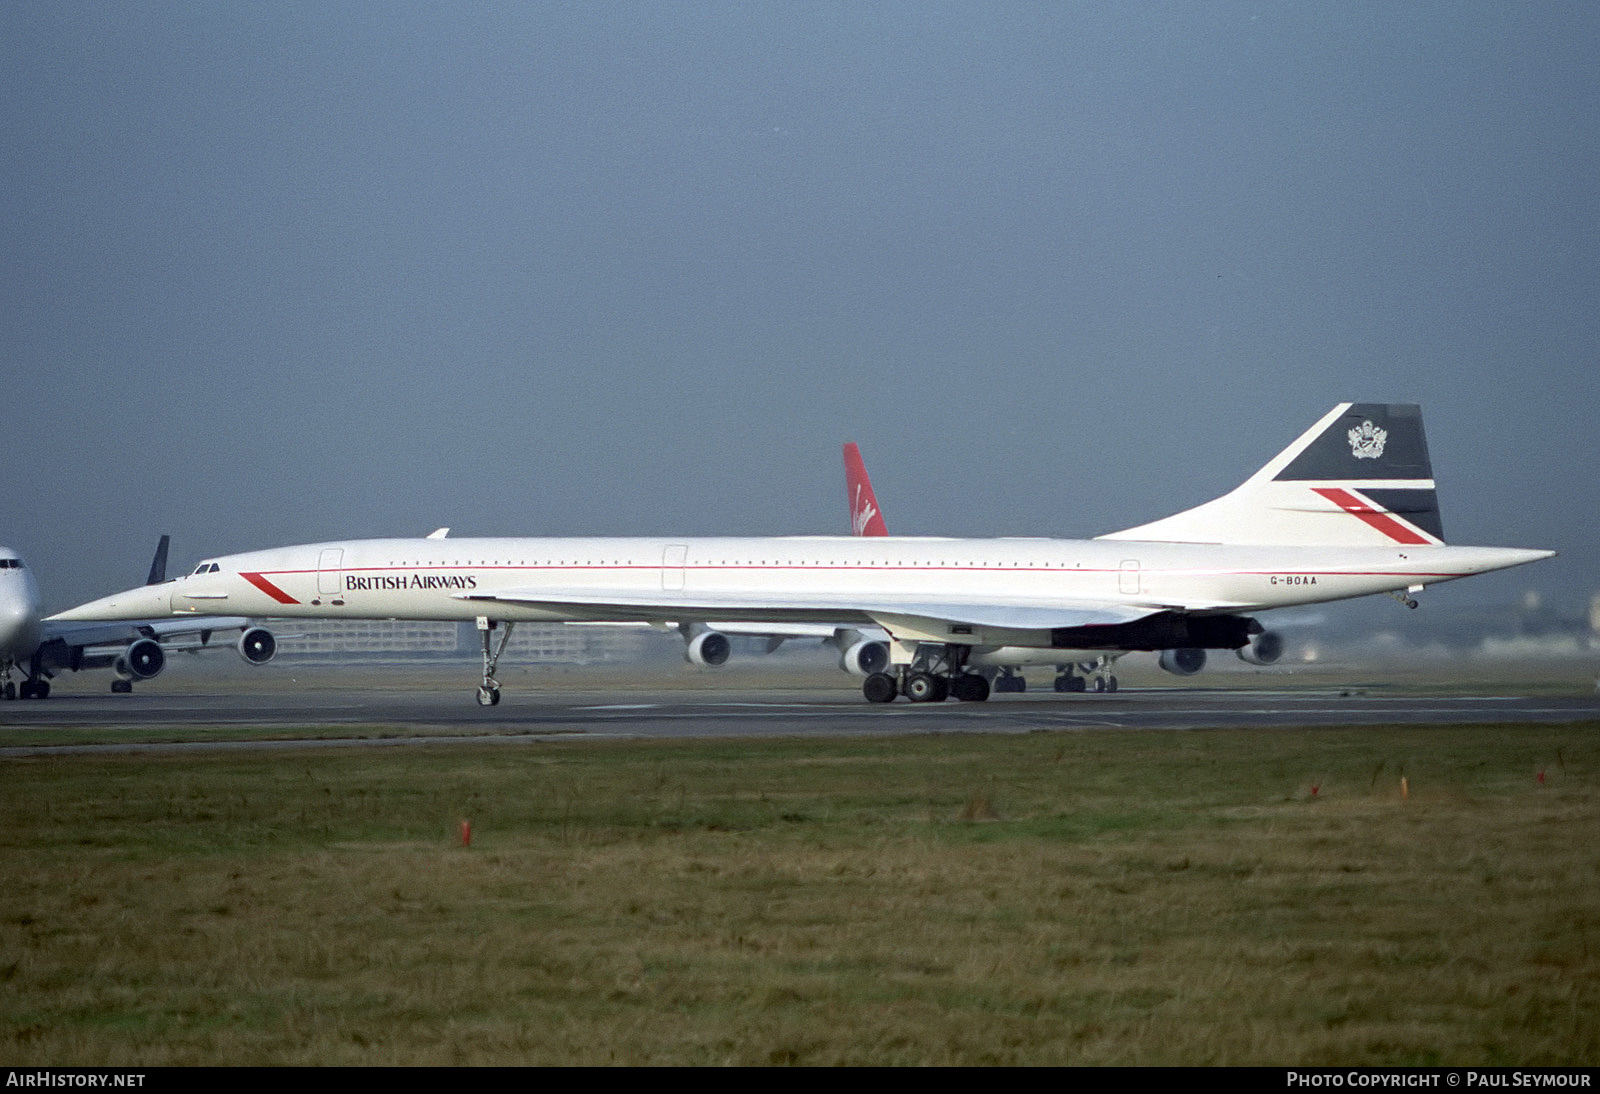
{"x":402,"y":639}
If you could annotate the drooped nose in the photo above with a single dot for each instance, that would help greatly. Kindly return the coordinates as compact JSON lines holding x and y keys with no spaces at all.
{"x":144,"y":602}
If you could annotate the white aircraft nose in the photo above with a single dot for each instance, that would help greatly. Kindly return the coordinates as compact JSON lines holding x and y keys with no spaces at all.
{"x":18,"y":628}
{"x":145,"y":602}
{"x":1503,"y":558}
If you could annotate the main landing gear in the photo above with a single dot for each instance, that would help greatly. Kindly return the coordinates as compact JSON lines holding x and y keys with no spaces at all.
{"x":925,"y":687}
{"x":28,"y":689}
{"x":937,"y":674}
{"x":1097,"y":677}
{"x":37,"y":688}
{"x":1010,"y":680}
{"x":35,"y":684}
{"x":489,"y":690}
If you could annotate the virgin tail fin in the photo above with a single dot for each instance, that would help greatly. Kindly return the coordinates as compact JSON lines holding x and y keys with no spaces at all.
{"x":866,"y":518}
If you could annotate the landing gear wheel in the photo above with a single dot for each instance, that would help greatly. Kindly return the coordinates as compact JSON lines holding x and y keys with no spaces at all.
{"x":122,"y":687}
{"x":880,"y":687}
{"x":1010,"y":683}
{"x":488,"y":697}
{"x":1111,"y":683}
{"x":925,"y":687}
{"x":970,"y":688}
{"x":1070,"y":683}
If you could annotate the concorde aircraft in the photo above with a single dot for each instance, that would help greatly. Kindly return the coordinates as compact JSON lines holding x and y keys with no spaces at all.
{"x":136,"y":650}
{"x":1349,"y":509}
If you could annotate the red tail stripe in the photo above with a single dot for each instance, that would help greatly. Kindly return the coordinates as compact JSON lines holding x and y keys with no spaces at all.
{"x":1383,"y":522}
{"x":269,"y":588}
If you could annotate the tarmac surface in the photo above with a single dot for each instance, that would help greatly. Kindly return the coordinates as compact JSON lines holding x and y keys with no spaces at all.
{"x":390,"y":708}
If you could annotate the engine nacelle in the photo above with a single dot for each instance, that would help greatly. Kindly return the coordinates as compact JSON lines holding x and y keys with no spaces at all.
{"x":1182,"y":662}
{"x":1264,"y":649}
{"x":865,"y":657}
{"x":142,"y":660}
{"x":257,"y":646}
{"x":708,"y":649}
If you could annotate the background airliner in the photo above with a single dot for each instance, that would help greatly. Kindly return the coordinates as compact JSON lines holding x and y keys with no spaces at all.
{"x":863,"y":650}
{"x":38,"y":648}
{"x":1348,"y":509}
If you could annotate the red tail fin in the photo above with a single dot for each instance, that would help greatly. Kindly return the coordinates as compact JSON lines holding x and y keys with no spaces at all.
{"x":866,"y":519}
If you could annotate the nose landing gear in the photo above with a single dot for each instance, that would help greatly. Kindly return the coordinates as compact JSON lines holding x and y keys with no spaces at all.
{"x":489,"y":690}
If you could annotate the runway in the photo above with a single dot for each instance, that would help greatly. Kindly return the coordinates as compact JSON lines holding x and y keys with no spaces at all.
{"x":366,"y":711}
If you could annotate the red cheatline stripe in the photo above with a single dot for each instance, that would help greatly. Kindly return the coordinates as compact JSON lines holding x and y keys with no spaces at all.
{"x":1383,"y":522}
{"x":269,"y":588}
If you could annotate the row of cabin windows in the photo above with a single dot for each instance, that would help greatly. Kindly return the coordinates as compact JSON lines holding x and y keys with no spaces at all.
{"x":728,"y":562}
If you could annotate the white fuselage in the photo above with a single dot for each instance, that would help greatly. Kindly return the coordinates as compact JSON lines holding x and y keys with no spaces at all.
{"x":826,"y":579}
{"x":19,"y":610}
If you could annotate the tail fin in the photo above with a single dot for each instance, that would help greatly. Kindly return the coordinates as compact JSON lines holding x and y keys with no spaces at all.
{"x":866,"y":519}
{"x":158,"y":564}
{"x":1360,"y":477}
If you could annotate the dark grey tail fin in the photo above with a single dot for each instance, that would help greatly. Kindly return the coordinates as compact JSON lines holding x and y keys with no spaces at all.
{"x":158,"y":565}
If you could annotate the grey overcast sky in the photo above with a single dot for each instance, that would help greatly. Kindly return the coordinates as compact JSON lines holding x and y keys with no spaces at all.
{"x":283,"y":272}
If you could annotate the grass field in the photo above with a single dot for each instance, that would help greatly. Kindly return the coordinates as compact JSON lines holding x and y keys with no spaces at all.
{"x":1345,"y":896}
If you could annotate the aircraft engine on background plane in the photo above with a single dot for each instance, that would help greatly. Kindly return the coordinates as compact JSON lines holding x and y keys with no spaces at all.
{"x":708,"y":649}
{"x":142,"y":660}
{"x":1182,"y":662}
{"x":862,"y":656}
{"x":1264,"y":649}
{"x":256,"y":645}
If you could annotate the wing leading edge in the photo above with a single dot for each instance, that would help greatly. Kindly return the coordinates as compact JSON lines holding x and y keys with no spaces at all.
{"x":601,"y":604}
